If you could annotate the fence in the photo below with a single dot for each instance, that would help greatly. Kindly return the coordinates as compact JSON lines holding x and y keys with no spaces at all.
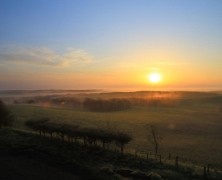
{"x":180,"y":163}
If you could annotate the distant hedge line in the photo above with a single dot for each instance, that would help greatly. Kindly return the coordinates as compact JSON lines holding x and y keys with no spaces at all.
{"x":106,"y":105}
{"x":102,"y":105}
{"x":89,"y":136}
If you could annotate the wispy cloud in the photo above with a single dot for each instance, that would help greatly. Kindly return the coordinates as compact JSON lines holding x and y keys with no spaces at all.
{"x":44,"y":56}
{"x":170,"y":63}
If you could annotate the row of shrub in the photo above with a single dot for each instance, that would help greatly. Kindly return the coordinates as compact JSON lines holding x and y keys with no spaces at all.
{"x":73,"y":133}
{"x":106,"y":105}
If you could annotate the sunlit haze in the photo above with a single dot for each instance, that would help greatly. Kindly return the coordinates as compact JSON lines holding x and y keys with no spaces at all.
{"x":111,"y":44}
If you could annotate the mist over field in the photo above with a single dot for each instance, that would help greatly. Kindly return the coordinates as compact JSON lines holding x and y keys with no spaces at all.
{"x":188,"y":124}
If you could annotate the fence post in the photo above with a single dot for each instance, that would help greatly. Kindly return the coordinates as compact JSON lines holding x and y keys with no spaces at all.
{"x":176,"y":161}
{"x":169,"y":156}
{"x":205,"y":173}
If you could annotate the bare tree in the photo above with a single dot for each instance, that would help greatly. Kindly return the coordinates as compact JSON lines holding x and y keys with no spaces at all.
{"x":154,"y":136}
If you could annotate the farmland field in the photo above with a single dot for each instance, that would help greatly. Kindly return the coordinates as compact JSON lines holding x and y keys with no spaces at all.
{"x":191,"y":128}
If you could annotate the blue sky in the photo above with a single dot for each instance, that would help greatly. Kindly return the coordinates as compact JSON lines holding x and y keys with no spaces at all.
{"x":91,"y":43}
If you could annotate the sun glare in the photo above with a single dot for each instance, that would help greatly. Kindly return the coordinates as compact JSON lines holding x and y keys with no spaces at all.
{"x":154,"y":77}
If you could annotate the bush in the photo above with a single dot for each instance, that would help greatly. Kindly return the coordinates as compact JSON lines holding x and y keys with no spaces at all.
{"x":121,"y":140}
{"x":6,"y":118}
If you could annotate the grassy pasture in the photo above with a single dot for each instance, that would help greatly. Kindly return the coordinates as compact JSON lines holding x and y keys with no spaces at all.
{"x":192,"y":129}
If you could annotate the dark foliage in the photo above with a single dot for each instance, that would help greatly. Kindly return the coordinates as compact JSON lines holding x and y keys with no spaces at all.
{"x":153,"y":101}
{"x":89,"y":136}
{"x":121,"y":140}
{"x":70,"y":102}
{"x":101,"y":105}
{"x":6,"y":118}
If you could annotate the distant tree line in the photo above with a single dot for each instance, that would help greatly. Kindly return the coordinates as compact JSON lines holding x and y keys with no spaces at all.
{"x":72,"y":133}
{"x":153,"y":101}
{"x":71,"y":102}
{"x":102,"y":105}
{"x":56,"y":101}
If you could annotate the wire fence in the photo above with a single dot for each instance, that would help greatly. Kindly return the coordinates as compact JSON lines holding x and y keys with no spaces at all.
{"x":180,"y":163}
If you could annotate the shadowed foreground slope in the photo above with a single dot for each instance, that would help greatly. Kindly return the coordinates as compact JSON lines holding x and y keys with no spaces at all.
{"x":24,"y":155}
{"x":24,"y":168}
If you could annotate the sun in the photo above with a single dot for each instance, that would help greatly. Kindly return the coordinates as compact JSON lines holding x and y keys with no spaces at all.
{"x":154,"y":77}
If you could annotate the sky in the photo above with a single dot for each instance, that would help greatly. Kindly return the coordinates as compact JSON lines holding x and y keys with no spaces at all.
{"x":116,"y":44}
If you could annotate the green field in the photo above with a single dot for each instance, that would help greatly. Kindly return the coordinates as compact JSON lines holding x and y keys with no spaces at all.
{"x":191,"y":129}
